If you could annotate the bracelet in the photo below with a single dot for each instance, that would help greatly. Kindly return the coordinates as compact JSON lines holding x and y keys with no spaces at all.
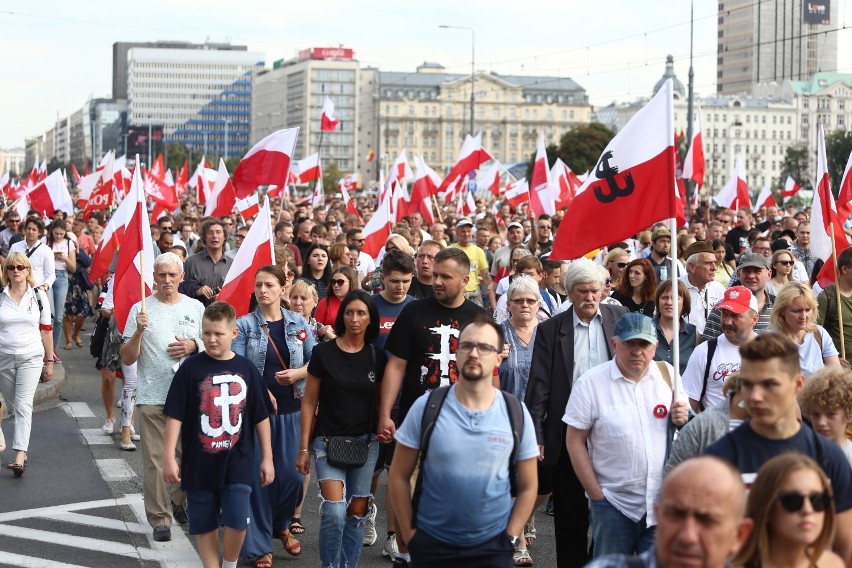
{"x":303,"y":452}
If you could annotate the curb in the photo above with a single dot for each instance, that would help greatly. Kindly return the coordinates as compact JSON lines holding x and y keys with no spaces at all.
{"x":45,"y":392}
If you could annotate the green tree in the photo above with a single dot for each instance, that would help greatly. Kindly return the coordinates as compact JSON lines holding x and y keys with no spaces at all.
{"x":331,"y":174}
{"x":795,"y":165}
{"x":581,"y":147}
{"x":175,"y":155}
{"x":838,"y":147}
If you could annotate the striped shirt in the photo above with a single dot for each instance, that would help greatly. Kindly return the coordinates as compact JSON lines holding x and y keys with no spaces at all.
{"x":713,"y":327}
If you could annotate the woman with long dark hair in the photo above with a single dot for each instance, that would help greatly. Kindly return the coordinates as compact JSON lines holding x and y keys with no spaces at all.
{"x":317,"y":268}
{"x":636,"y":289}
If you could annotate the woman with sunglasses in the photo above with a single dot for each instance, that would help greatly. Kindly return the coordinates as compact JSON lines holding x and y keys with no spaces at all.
{"x":794,"y":315}
{"x":636,"y":289}
{"x":344,"y":380}
{"x":279,"y":344}
{"x":343,"y":280}
{"x":615,"y":262}
{"x":26,"y":346}
{"x":792,"y":507}
{"x":781,"y":266}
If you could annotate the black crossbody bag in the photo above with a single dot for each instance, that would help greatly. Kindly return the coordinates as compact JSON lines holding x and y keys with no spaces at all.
{"x":350,"y":451}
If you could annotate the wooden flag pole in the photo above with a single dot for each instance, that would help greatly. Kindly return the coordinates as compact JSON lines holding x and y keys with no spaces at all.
{"x":437,"y":209}
{"x":837,"y":290}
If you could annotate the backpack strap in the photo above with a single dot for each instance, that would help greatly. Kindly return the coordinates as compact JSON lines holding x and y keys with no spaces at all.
{"x":427,"y":423}
{"x":664,"y":371}
{"x":711,"y":350}
{"x":516,"y":422}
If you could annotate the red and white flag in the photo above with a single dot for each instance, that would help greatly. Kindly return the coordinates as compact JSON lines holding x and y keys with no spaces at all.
{"x":399,"y":201}
{"x":267,"y":163}
{"x":200,"y":169}
{"x":102,"y":195}
{"x":471,"y":156}
{"x":401,"y":168}
{"x":844,"y":196}
{"x":222,"y":196}
{"x":491,"y":178}
{"x":156,"y":187}
{"x":517,"y":192}
{"x":135,"y":265}
{"x":791,"y":188}
{"x":327,"y":122}
{"x":255,"y":252}
{"x":309,"y":168}
{"x":765,"y":199}
{"x":631,"y":188}
{"x":426,"y":183}
{"x":565,"y":184}
{"x":541,"y":198}
{"x":75,"y":175}
{"x":378,"y":228}
{"x":5,"y":185}
{"x":51,"y":195}
{"x":693,"y":163}
{"x":122,"y":177}
{"x":42,"y":172}
{"x":182,"y":179}
{"x":350,"y":205}
{"x":248,"y":206}
{"x":735,"y":193}
{"x":824,"y":217}
{"x":318,"y":196}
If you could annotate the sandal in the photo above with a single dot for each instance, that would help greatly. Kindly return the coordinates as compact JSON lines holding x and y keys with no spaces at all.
{"x":68,"y":346}
{"x":291,"y":545}
{"x":522,"y":558}
{"x":296,"y":526}
{"x":17,"y":468}
{"x":264,"y":561}
{"x":530,"y":534}
{"x":78,"y":341}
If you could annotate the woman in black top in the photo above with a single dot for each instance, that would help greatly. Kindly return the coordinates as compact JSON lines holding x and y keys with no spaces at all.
{"x":343,"y":384}
{"x":317,"y":268}
{"x":636,"y":289}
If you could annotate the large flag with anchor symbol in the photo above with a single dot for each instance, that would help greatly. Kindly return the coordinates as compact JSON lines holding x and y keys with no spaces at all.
{"x":631,"y":188}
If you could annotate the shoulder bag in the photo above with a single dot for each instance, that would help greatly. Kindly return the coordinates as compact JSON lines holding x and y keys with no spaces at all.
{"x":350,"y":451}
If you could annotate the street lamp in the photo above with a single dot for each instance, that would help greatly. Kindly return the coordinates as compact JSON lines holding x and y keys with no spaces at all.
{"x":472,"y":66}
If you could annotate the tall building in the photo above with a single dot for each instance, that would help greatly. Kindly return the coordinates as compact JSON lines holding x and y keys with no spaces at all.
{"x":761,"y":42}
{"x":12,"y":161}
{"x":199,"y":97}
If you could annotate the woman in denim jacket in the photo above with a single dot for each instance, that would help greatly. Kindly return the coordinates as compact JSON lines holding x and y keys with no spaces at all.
{"x":283,"y":365}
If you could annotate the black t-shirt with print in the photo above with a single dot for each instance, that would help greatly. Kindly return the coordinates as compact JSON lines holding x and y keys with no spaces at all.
{"x":218,"y":404}
{"x":426,"y":335}
{"x":349,"y":388}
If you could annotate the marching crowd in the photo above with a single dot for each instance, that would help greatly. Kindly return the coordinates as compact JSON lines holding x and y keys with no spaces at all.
{"x":530,"y":383}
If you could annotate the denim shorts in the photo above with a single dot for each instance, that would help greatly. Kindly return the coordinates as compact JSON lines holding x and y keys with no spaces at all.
{"x":208,"y":509}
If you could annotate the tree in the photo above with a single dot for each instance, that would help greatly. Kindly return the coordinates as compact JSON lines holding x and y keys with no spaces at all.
{"x":795,"y":164}
{"x":838,"y":146}
{"x":581,"y":147}
{"x":331,"y":174}
{"x":175,"y":155}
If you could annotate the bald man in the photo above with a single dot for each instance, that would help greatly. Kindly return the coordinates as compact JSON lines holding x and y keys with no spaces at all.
{"x":700,"y":518}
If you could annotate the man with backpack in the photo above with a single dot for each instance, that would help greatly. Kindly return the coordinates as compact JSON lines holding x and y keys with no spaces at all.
{"x":481,"y":452}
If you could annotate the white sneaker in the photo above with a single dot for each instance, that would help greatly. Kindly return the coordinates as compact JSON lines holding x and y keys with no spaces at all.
{"x":133,"y":435}
{"x":370,"y":535}
{"x":391,"y":549}
{"x":109,"y":426}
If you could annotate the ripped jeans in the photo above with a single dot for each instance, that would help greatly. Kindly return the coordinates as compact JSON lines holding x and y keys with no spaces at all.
{"x":341,"y":537}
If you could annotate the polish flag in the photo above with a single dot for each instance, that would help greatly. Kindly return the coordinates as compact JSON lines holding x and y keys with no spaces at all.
{"x":632,"y":186}
{"x":327,"y":122}
{"x":735,"y":193}
{"x":541,"y":199}
{"x":75,"y":175}
{"x":318,"y":196}
{"x":134,"y":268}
{"x":182,"y":178}
{"x":309,"y":168}
{"x":121,"y":176}
{"x":765,"y":199}
{"x":844,"y":196}
{"x":425,"y":185}
{"x":402,"y":168}
{"x":491,"y":178}
{"x":824,"y":217}
{"x":565,"y":184}
{"x":42,"y":172}
{"x":222,"y":196}
{"x":378,"y":228}
{"x":255,"y":252}
{"x":517,"y":192}
{"x":113,"y":236}
{"x":22,"y":206}
{"x":791,"y":188}
{"x":693,"y":163}
{"x":471,"y":156}
{"x":248,"y":206}
{"x":399,"y":202}
{"x":102,"y":195}
{"x":156,"y":187}
{"x":350,"y":205}
{"x":267,"y":163}
{"x":51,"y":195}
{"x":102,"y":174}
{"x":203,"y":166}
{"x":5,"y":185}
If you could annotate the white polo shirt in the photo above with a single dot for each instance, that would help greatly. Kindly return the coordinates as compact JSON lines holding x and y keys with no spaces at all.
{"x":628,"y":422}
{"x":21,"y":324}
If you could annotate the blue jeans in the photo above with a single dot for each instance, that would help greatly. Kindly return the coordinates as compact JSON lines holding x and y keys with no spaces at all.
{"x":341,"y":537}
{"x":57,"y":295}
{"x":614,"y":533}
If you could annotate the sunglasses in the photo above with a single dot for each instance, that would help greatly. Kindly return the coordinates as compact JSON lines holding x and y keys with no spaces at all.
{"x":793,"y":502}
{"x":608,"y":281}
{"x":621,"y":264}
{"x":17,"y":268}
{"x":785,"y":262}
{"x":358,"y":240}
{"x":339,"y":282}
{"x":520,"y":301}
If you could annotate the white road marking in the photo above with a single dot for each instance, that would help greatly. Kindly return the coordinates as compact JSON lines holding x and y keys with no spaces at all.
{"x":95,"y":437}
{"x":9,"y":559}
{"x":78,"y":410}
{"x":115,"y":469}
{"x":100,"y":522}
{"x":176,"y":553}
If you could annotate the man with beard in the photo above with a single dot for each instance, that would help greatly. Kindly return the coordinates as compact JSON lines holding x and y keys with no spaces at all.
{"x":472,"y":427}
{"x":206,"y":270}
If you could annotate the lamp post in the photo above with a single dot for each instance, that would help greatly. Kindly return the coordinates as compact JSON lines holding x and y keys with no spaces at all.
{"x":472,"y":67}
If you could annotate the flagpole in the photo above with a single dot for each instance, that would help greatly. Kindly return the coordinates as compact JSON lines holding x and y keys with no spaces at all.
{"x":267,"y":211}
{"x":676,"y":316}
{"x":837,"y":290}
{"x":141,"y":252}
{"x":437,"y":208}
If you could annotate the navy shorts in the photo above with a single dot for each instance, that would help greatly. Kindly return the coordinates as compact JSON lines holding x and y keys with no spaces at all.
{"x":208,"y":509}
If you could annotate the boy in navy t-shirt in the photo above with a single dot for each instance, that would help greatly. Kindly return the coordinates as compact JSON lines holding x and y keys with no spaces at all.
{"x":214,"y":400}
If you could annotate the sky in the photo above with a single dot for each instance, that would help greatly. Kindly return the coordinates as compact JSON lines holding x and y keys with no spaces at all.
{"x":57,"y":54}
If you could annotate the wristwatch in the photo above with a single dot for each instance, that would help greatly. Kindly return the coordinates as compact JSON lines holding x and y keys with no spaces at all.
{"x":515,"y":541}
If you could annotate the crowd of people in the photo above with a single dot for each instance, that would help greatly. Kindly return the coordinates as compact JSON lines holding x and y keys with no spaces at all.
{"x":530,"y":382}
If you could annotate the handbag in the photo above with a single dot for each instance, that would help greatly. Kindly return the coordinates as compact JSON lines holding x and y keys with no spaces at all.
{"x":350,"y":451}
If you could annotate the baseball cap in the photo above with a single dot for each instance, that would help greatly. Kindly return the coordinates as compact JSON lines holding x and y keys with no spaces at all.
{"x":753,"y":260}
{"x":464,"y":223}
{"x":660,"y":233}
{"x":738,"y":299}
{"x":515,"y":224}
{"x":634,"y":325}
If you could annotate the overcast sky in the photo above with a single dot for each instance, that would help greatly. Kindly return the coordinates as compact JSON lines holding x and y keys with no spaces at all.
{"x":58,"y":53}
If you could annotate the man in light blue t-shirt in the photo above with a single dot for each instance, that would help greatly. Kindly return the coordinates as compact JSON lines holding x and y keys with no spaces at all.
{"x":467,"y":467}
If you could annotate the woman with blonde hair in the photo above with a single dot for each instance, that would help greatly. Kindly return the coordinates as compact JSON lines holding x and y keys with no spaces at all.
{"x":339,"y":255}
{"x":794,"y":315}
{"x":781,"y":265}
{"x":792,"y":507}
{"x":26,"y":346}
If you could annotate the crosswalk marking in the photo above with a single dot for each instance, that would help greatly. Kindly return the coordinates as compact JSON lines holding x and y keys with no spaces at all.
{"x":100,"y":522}
{"x":10,"y":559}
{"x":95,"y":437}
{"x":78,"y":410}
{"x":115,"y":469}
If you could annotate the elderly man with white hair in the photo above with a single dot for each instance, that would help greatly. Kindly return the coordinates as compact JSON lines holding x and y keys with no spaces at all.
{"x":567,"y":345}
{"x":168,"y":330}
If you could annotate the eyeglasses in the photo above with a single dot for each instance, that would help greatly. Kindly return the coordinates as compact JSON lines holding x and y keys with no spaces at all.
{"x":13,"y":220}
{"x":621,"y":264}
{"x":358,"y":240}
{"x":785,"y":262}
{"x":17,"y":268}
{"x":339,"y":282}
{"x":725,"y":221}
{"x":528,"y":301}
{"x":608,"y":281}
{"x":793,"y":502}
{"x":483,"y":348}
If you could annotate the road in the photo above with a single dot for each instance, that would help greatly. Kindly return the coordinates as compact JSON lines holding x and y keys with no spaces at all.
{"x":79,"y":504}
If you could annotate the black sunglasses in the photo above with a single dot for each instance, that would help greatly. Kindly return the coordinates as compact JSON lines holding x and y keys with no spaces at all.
{"x":793,"y":502}
{"x":621,"y":264}
{"x":339,"y":282}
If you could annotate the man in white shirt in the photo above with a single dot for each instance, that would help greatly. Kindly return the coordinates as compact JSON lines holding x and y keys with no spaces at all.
{"x":700,"y":280}
{"x":618,"y":419}
{"x":703,"y":382}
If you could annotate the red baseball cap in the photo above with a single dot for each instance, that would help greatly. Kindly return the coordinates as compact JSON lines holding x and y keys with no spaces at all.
{"x":738,"y":299}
